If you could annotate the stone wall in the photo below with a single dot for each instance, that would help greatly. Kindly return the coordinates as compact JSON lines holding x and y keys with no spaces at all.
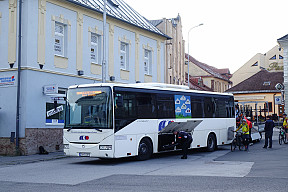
{"x":9,"y":148}
{"x":50,"y":138}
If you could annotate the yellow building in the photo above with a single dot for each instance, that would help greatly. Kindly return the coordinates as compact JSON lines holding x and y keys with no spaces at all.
{"x":175,"y":49}
{"x":258,"y":93}
{"x":271,"y":61}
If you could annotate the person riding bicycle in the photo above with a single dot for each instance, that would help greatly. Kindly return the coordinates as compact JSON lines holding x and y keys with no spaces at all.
{"x":285,"y":124}
{"x":245,"y":130}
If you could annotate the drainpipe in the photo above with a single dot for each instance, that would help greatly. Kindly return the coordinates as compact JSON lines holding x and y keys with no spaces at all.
{"x":18,"y":80}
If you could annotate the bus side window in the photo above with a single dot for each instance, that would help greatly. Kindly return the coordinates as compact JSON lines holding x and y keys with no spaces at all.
{"x":165,"y":106}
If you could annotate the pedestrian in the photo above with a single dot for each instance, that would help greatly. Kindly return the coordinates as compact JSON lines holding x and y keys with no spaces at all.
{"x":245,"y":133}
{"x":184,"y":140}
{"x":269,"y":125}
{"x":285,"y":124}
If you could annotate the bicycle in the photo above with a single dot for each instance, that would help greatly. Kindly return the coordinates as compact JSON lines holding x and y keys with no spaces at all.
{"x":282,"y":136}
{"x":237,"y":141}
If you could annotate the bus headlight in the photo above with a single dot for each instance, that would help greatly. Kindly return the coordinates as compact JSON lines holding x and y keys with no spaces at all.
{"x":66,"y":146}
{"x":105,"y":147}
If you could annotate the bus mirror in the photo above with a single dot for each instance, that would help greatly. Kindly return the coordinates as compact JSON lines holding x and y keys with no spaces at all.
{"x":119,"y":101}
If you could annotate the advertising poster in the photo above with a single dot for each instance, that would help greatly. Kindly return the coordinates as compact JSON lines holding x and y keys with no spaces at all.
{"x":182,"y":106}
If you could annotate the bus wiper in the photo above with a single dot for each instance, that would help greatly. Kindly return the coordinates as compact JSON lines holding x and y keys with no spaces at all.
{"x":98,"y":129}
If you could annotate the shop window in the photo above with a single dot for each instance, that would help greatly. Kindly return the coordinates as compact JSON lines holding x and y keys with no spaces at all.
{"x":55,"y":108}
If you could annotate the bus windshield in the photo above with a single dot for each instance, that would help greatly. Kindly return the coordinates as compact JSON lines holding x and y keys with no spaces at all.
{"x":89,"y":108}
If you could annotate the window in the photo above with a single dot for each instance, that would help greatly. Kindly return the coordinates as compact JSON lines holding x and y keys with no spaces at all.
{"x":59,"y":44}
{"x":266,"y":83}
{"x":273,"y":58}
{"x":95,"y":48}
{"x":166,"y":106}
{"x":55,"y":108}
{"x":268,"y":108}
{"x":196,"y":108}
{"x":147,"y":62}
{"x":281,"y":57}
{"x":124,"y":56}
{"x":255,"y":64}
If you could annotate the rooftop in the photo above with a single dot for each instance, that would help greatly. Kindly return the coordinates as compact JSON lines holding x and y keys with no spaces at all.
{"x":263,"y":81}
{"x":120,"y":10}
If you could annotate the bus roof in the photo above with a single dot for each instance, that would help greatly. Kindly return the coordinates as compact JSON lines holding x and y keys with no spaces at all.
{"x":152,"y":86}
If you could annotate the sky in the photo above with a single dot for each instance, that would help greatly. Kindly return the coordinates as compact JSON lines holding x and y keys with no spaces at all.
{"x":233,"y":31}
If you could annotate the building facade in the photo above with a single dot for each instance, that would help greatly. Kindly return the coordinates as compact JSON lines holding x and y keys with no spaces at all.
{"x":216,"y":79}
{"x":175,"y":49}
{"x":257,"y":94}
{"x":62,"y":45}
{"x":271,"y":61}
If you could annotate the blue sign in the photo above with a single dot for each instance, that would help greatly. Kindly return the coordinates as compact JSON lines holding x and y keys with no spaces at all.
{"x":182,"y":106}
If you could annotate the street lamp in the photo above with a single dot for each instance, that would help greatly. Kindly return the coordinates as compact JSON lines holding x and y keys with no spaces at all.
{"x":188,"y":51}
{"x":104,"y":44}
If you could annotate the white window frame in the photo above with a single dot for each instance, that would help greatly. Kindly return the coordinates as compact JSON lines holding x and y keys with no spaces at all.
{"x":62,"y":36}
{"x":124,"y":53}
{"x":147,"y":62}
{"x":96,"y":46}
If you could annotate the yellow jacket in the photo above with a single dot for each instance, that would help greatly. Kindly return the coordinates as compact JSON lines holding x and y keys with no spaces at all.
{"x":245,"y":128}
{"x":285,"y":122}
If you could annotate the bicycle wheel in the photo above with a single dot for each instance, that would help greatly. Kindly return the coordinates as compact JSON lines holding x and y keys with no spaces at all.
{"x":285,"y":139}
{"x":241,"y":144}
{"x":233,"y":145}
{"x":280,"y":139}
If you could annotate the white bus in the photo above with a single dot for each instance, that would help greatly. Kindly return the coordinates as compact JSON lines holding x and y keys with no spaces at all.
{"x":122,"y":120}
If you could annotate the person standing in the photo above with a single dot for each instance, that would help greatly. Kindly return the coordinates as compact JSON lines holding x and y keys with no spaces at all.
{"x":184,"y":140}
{"x":269,"y":125}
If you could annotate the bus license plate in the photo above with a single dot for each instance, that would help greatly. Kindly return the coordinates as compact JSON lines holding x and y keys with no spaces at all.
{"x":84,"y":154}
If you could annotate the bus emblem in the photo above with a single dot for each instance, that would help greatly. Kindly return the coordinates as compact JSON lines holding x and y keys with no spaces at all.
{"x":83,"y":137}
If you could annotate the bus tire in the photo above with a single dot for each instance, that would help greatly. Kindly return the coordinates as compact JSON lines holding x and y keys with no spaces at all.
{"x":144,"y":149}
{"x":211,"y":142}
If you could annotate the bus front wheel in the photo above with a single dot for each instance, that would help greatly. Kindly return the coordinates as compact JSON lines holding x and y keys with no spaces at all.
{"x":144,"y":149}
{"x":211,"y":143}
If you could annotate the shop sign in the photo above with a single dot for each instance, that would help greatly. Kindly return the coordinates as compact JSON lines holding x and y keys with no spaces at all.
{"x":54,"y":111}
{"x":50,"y":89}
{"x":7,"y":81}
{"x":278,"y":100}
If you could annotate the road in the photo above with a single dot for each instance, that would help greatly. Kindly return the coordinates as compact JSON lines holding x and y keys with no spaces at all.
{"x":257,"y":170}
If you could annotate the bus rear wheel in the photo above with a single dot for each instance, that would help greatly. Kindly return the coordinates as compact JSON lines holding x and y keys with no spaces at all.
{"x":211,"y":143}
{"x":144,"y":149}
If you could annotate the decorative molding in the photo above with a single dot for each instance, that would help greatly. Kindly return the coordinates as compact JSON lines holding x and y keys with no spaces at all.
{"x":111,"y":50}
{"x":96,"y":69}
{"x":148,"y":47}
{"x":12,"y":33}
{"x":41,"y":31}
{"x":137,"y":67}
{"x":124,"y":74}
{"x":124,"y":40}
{"x":0,"y":21}
{"x":60,"y":62}
{"x":62,"y":20}
{"x":79,"y":46}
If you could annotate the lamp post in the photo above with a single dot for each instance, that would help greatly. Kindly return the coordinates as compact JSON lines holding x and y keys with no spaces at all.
{"x":188,"y":51}
{"x":104,"y":44}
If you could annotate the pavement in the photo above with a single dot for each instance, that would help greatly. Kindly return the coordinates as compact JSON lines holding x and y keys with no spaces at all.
{"x":16,"y":160}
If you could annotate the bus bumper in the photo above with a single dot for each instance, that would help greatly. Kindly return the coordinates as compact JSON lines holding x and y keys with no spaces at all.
{"x":89,"y":150}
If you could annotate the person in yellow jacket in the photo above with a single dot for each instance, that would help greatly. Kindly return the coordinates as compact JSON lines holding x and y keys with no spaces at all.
{"x":285,"y":124}
{"x":245,"y":130}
